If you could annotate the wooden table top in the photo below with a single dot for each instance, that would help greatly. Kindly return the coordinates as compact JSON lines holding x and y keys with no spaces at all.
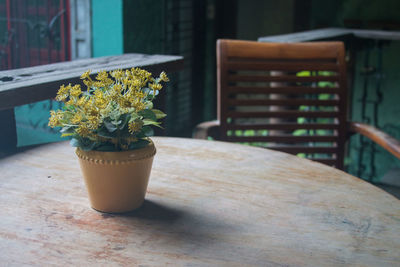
{"x":208,"y":203}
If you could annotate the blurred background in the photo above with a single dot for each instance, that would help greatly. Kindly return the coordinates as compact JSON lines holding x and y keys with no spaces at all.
{"x":35,"y":32}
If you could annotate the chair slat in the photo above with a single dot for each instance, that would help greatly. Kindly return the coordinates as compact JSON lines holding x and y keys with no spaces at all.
{"x":260,"y":95}
{"x":283,"y":114}
{"x":282,"y":90}
{"x":284,"y":126}
{"x":282,"y":78}
{"x":330,"y":162}
{"x":306,"y":50}
{"x":283,"y":138}
{"x":282,"y":66}
{"x":282,"y":102}
{"x":305,"y":149}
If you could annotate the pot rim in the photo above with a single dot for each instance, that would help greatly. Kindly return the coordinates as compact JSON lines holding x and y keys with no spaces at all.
{"x":117,"y":156}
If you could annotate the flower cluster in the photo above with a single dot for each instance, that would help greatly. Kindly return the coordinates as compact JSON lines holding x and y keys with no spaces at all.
{"x":114,"y":113}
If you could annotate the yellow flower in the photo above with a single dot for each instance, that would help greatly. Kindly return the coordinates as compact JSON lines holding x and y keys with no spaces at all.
{"x":98,"y":84}
{"x":137,"y":83}
{"x":117,"y":74}
{"x":88,"y":83}
{"x":111,"y":95}
{"x":102,"y":75}
{"x":71,"y":101}
{"x":93,"y":122}
{"x":135,"y":126}
{"x":139,"y":106}
{"x":81,"y":102}
{"x":99,"y":100}
{"x":117,"y":88}
{"x":86,"y":75}
{"x":83,"y":130}
{"x":76,"y":91}
{"x":164,"y":77}
{"x":77,"y":118}
{"x":63,"y":92}
{"x":155,"y":86}
{"x":55,"y":117}
{"x":140,"y":95}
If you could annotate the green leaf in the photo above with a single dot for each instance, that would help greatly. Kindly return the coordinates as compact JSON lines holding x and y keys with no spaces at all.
{"x":150,"y":122}
{"x":147,"y":131}
{"x":67,"y":130}
{"x":116,"y":122}
{"x":148,"y":114}
{"x":74,"y":142}
{"x":148,"y":104}
{"x":134,"y":116}
{"x":67,"y":134}
{"x":138,"y":144}
{"x":83,"y":143}
{"x":110,"y":126}
{"x":69,"y":107}
{"x":124,"y":120}
{"x":159,"y":114}
{"x":106,"y":147}
{"x":105,"y":133}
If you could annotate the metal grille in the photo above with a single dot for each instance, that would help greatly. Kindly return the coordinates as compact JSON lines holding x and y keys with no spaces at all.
{"x":33,"y":32}
{"x":365,"y":153}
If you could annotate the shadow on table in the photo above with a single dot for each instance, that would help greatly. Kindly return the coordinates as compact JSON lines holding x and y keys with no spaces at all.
{"x":155,"y":212}
{"x":175,"y":225}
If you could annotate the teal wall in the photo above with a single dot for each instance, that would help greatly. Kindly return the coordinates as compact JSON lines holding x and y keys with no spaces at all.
{"x":107,"y":27}
{"x":31,"y":122}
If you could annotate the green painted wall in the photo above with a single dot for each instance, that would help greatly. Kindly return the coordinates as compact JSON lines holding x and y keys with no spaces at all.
{"x":258,"y":18}
{"x":389,"y":108}
{"x":144,"y":26}
{"x":107,"y":27}
{"x":366,"y":14}
{"x":263,"y":18}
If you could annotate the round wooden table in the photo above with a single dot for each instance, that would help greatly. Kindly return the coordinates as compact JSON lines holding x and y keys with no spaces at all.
{"x":208,"y":203}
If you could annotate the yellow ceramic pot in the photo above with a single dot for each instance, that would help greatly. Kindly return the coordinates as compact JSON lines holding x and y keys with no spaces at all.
{"x":117,"y":181}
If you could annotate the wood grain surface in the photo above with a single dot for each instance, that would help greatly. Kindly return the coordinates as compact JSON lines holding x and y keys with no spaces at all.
{"x":27,"y":85}
{"x":208,"y":204}
{"x":331,"y":33}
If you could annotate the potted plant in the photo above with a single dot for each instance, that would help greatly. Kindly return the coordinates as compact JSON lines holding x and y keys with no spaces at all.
{"x":110,"y":124}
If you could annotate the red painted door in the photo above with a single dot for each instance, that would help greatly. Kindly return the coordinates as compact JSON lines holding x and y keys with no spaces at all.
{"x":33,"y":32}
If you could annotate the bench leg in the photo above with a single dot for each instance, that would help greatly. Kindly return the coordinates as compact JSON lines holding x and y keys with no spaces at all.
{"x":8,"y":132}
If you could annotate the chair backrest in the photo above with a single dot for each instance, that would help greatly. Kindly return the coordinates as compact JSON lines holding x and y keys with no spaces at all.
{"x":290,"y":97}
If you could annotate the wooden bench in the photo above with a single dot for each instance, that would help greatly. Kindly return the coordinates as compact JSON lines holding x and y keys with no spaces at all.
{"x":28,"y":85}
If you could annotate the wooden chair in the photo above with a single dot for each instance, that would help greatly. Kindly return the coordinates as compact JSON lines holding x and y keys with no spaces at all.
{"x":290,"y":97}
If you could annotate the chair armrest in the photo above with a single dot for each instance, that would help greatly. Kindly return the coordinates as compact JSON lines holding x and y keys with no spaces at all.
{"x":206,"y":129}
{"x":384,"y":140}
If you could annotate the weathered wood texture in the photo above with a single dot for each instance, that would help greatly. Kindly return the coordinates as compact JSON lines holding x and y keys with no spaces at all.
{"x":330,"y":33}
{"x":208,"y":204}
{"x":28,"y":85}
{"x":384,"y":140}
